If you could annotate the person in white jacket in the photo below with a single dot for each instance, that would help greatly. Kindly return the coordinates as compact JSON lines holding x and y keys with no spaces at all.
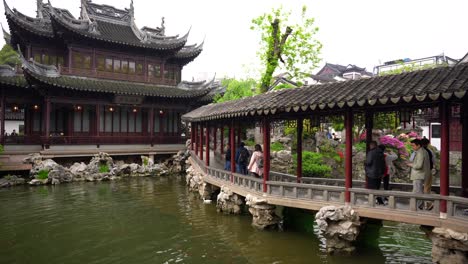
{"x":256,"y":162}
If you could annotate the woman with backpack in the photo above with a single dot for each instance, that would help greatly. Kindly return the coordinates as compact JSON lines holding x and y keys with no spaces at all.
{"x":256,"y":162}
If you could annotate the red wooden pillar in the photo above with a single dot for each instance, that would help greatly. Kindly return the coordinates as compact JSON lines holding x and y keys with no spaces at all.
{"x":2,"y":121}
{"x":151,"y":124}
{"x":233,"y":149}
{"x":195,"y":137}
{"x":369,"y":120}
{"x":201,"y":141}
{"x":207,"y":142}
{"x":299,"y":149}
{"x":47,"y":119}
{"x":444,"y":155}
{"x":464,"y":121}
{"x":266,"y":152}
{"x":192,"y":133}
{"x":239,"y":136}
{"x":222,"y":139}
{"x":348,"y":155}
{"x":98,"y":120}
{"x":215,"y":129}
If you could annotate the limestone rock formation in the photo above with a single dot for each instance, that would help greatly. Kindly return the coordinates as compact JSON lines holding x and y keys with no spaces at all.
{"x":448,"y":246}
{"x":264,"y":216}
{"x":11,"y":180}
{"x":340,"y":227}
{"x":228,"y":202}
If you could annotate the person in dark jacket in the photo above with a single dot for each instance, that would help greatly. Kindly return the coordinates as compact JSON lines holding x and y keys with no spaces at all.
{"x":242,"y":159}
{"x":375,"y":166}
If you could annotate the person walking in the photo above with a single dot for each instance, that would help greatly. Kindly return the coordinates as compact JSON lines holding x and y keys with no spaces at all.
{"x":419,"y":167}
{"x":256,"y":162}
{"x":242,"y":158}
{"x":375,"y":166}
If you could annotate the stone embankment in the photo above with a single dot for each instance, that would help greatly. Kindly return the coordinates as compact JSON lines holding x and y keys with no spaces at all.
{"x":100,"y":168}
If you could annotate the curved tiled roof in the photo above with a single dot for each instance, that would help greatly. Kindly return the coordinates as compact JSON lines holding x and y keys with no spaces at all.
{"x":117,"y":33}
{"x":431,"y":84}
{"x":49,"y":76}
{"x":119,"y":30}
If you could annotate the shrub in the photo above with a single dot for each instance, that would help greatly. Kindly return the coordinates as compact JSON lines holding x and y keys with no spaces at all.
{"x":103,"y":168}
{"x":249,"y":142}
{"x":360,"y":146}
{"x":145,"y":162}
{"x":312,"y":165}
{"x":43,"y":174}
{"x":276,"y":146}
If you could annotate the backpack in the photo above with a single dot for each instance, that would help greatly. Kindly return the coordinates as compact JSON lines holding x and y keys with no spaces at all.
{"x":243,"y":156}
{"x":260,"y":162}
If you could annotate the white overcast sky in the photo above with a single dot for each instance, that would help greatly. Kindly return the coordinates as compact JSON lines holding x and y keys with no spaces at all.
{"x":364,"y":33}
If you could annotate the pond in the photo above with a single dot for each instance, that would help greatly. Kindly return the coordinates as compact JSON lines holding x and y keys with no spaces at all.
{"x":156,"y":220}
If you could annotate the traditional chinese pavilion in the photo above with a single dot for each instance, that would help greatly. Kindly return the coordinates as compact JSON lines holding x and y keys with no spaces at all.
{"x":97,"y":80}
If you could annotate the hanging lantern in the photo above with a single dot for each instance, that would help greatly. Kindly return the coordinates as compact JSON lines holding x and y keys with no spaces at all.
{"x":161,"y":112}
{"x":111,"y":109}
{"x":15,"y":108}
{"x":36,"y":107}
{"x":78,"y":108}
{"x":134,"y":110}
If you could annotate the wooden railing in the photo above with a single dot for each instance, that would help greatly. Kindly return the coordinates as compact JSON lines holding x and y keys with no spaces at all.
{"x":333,"y":190}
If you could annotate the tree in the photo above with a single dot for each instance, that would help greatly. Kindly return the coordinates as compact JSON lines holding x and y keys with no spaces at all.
{"x":9,"y":56}
{"x":236,"y":89}
{"x":294,"y":46}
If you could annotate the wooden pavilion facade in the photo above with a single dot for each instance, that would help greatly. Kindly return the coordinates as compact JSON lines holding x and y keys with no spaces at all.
{"x":440,"y":88}
{"x":97,"y":79}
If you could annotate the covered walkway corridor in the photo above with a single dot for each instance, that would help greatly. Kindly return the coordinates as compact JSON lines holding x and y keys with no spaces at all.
{"x":436,"y":90}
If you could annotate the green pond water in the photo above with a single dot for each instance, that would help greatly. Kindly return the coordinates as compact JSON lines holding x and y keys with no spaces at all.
{"x":156,"y":220}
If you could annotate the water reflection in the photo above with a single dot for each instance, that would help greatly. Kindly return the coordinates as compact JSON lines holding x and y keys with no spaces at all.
{"x":158,"y":221}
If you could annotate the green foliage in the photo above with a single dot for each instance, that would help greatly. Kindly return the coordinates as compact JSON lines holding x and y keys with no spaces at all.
{"x":145,"y":161}
{"x":385,"y":120}
{"x":249,"y":142}
{"x":360,"y":146}
{"x":276,"y":146}
{"x":294,"y":45}
{"x":9,"y":56}
{"x":43,"y":174}
{"x":103,"y":168}
{"x":312,"y":165}
{"x":236,"y":89}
